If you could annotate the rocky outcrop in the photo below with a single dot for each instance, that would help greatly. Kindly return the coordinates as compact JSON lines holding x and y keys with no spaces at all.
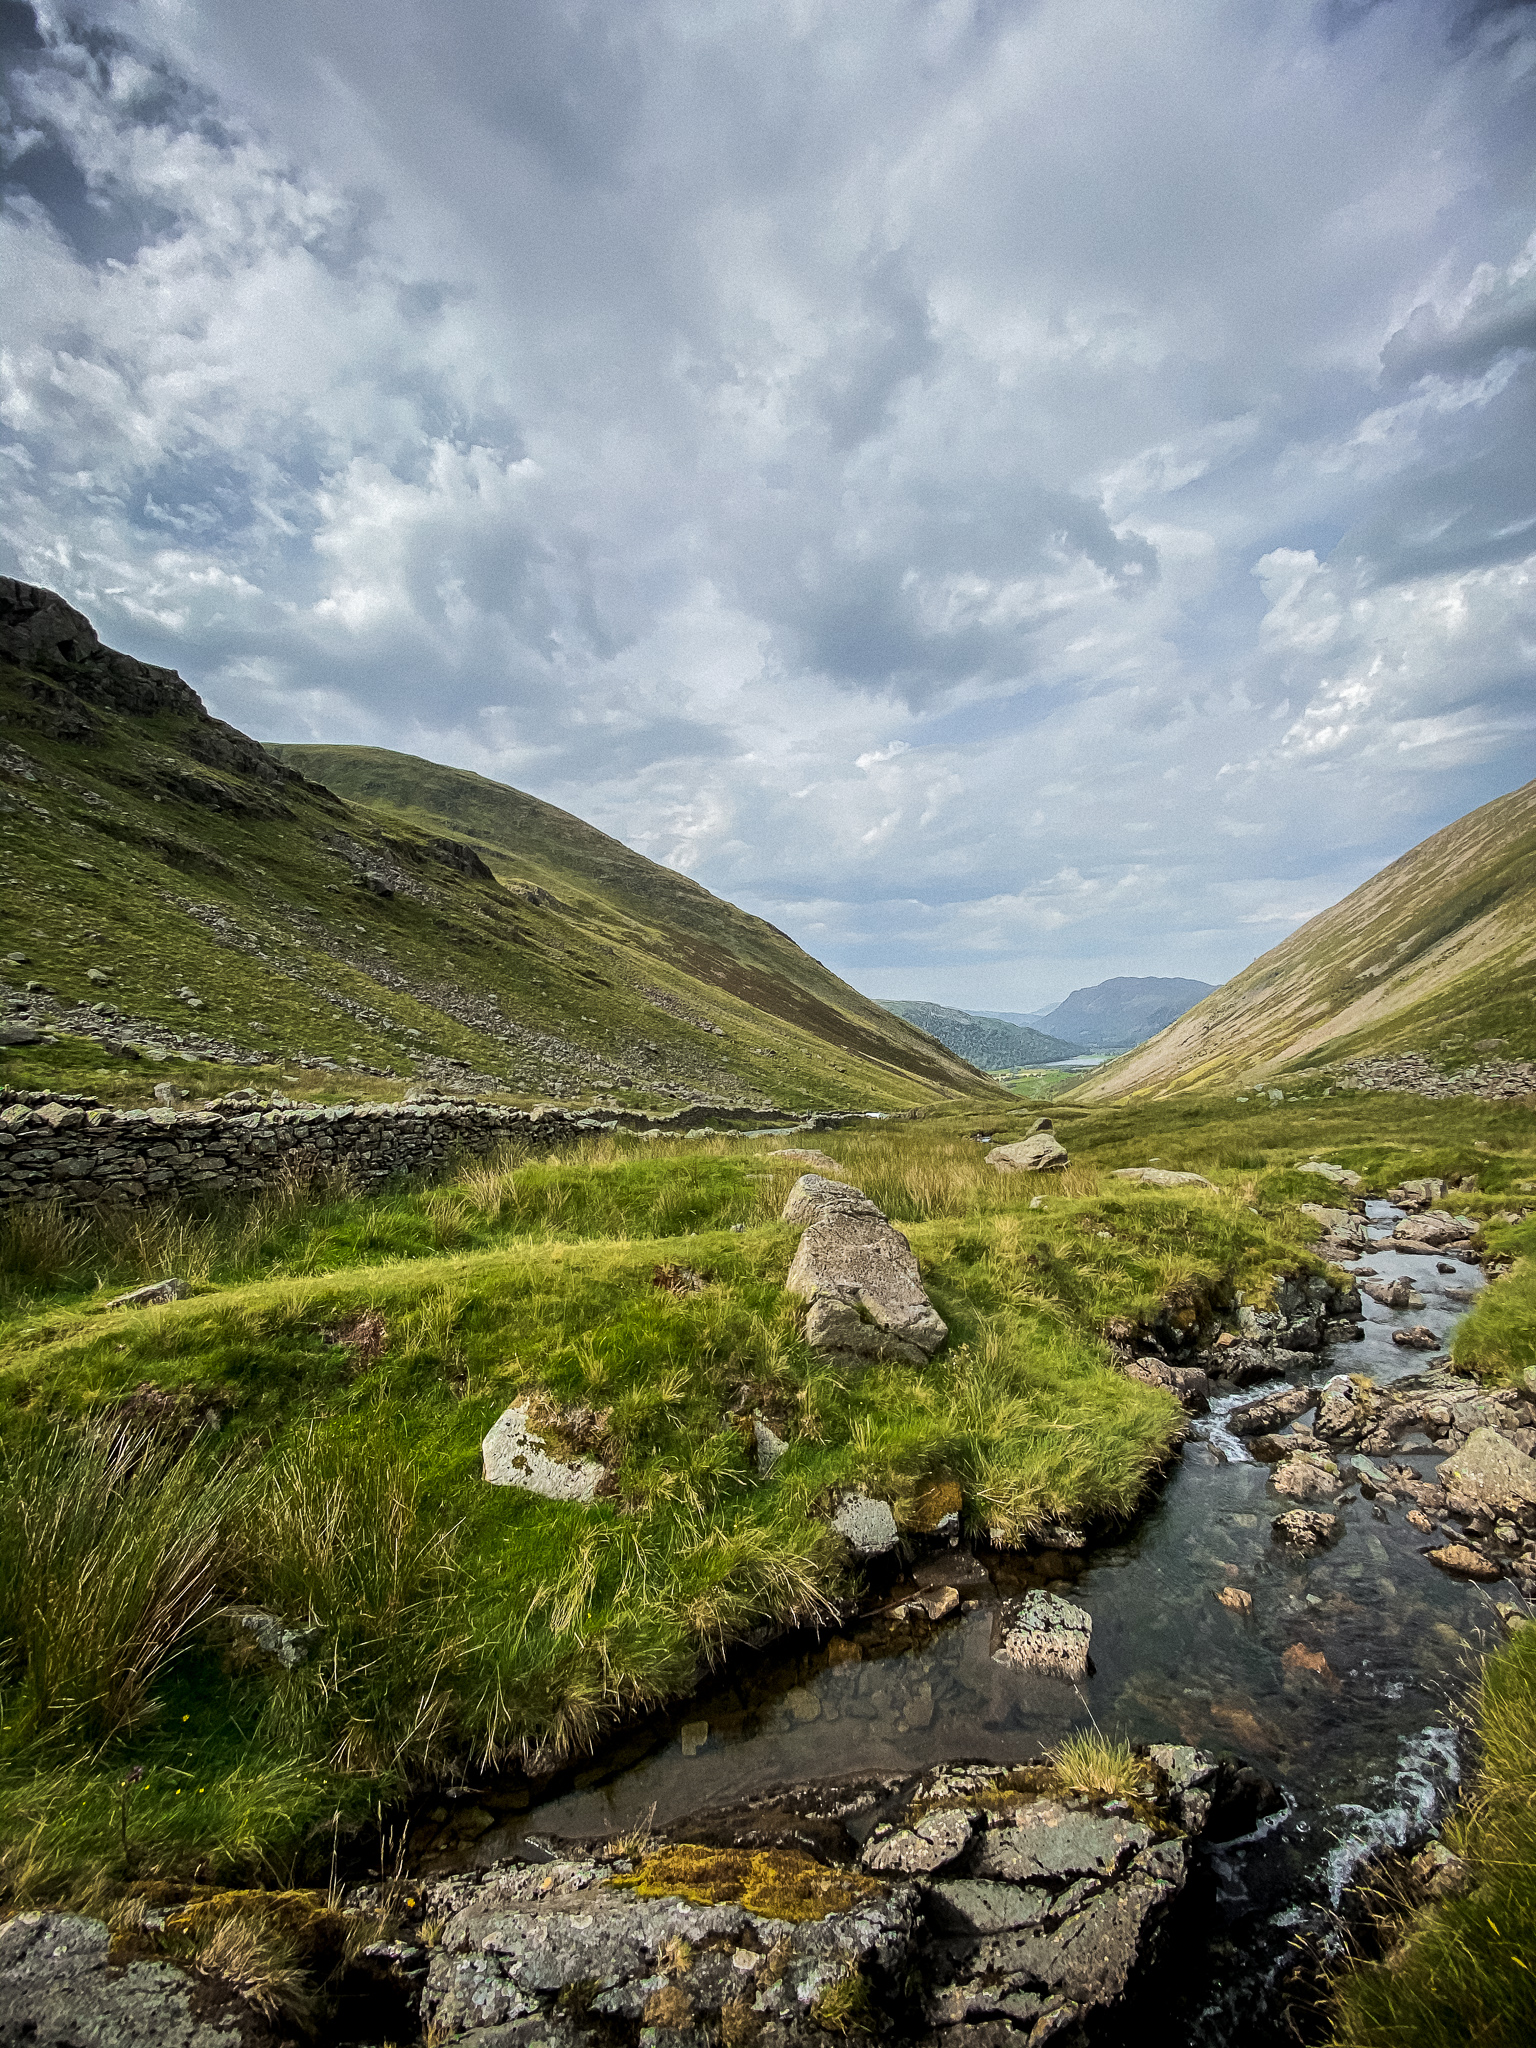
{"x":59,"y":1986}
{"x":1161,"y":1177}
{"x":973,"y":1904}
{"x":858,"y":1275}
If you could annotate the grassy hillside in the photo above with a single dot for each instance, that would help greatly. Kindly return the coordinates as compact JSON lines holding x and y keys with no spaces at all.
{"x":987,"y":1042}
{"x":1435,"y":955}
{"x":177,"y":904}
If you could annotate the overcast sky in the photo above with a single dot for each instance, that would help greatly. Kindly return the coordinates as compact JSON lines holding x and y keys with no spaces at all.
{"x":1015,"y":491}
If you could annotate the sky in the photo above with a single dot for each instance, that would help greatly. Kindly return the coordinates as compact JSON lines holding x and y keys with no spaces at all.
{"x":1013,"y":491}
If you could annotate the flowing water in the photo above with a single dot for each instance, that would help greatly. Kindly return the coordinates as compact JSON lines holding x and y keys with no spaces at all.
{"x":1362,"y":1742}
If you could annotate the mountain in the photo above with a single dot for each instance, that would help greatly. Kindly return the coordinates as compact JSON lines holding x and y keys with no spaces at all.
{"x":1029,"y":1019}
{"x":984,"y":1041}
{"x":1113,"y":1015}
{"x":166,"y":881}
{"x":1436,"y":955}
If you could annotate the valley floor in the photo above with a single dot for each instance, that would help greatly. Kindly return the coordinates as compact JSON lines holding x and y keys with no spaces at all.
{"x":300,"y":1438}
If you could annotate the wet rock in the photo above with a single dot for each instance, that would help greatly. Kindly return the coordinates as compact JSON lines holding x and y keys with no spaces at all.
{"x":1270,"y":1412}
{"x":935,"y":1841}
{"x":1490,"y":1470}
{"x":1340,"y":1226}
{"x":970,"y":1899}
{"x":1465,"y":1562}
{"x":1299,"y":1658}
{"x":1307,"y":1528}
{"x":1435,"y":1228}
{"x":1043,"y":1153}
{"x":1417,"y":1519}
{"x":1044,"y":1633}
{"x":1161,"y":1177}
{"x":1235,"y":1598}
{"x":1348,"y":1409}
{"x":1306,"y":1478}
{"x":58,"y":1987}
{"x":513,"y":1454}
{"x":1419,"y":1337}
{"x":1391,"y":1293}
{"x":867,"y":1526}
{"x":859,"y":1276}
{"x":1442,"y":1874}
{"x":1245,"y":1363}
{"x":152,"y":1296}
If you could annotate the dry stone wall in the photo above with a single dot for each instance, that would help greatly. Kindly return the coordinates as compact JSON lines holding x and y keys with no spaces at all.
{"x":58,"y":1151}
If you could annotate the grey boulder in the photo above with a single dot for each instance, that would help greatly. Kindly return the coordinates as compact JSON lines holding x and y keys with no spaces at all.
{"x":858,"y":1275}
{"x":1043,"y":1633}
{"x":59,"y":1989}
{"x":1043,"y":1153}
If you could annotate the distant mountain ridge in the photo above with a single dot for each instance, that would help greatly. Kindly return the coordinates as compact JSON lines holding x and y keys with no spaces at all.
{"x":1436,"y":955}
{"x":984,"y":1041}
{"x":1124,"y":1011}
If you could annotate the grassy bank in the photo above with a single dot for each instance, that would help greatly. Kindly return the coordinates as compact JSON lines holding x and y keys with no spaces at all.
{"x":302,"y":1435}
{"x":1464,"y":1969}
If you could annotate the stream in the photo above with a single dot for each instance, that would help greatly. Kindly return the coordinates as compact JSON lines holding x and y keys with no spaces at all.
{"x":1362,"y":1742}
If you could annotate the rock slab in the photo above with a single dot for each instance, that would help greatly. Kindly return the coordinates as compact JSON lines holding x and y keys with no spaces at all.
{"x":514,"y":1455}
{"x":858,"y":1275}
{"x":59,"y":1988}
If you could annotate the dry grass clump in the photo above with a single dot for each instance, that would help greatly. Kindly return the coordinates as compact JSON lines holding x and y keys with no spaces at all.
{"x":1095,"y":1764}
{"x":111,"y":1543}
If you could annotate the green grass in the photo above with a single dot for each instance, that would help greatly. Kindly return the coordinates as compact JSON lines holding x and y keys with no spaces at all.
{"x":1464,"y":1969}
{"x":322,"y":1395}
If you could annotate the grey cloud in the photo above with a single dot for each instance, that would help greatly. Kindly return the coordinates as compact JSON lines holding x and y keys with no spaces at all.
{"x":829,"y":448}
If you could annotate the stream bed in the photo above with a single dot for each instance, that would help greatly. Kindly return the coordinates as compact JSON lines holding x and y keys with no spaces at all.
{"x":1341,"y":1685}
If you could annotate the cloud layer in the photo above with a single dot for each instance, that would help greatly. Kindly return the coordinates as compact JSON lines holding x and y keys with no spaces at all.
{"x":1014,"y":490}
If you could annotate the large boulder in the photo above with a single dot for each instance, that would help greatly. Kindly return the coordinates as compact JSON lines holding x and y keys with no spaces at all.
{"x":806,"y":1157}
{"x":857,"y":1272}
{"x":1043,"y":1153}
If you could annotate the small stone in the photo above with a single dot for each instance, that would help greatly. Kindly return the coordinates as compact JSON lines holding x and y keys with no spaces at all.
{"x":693,"y":1735}
{"x":938,"y":1839}
{"x":1299,"y":1658}
{"x":1044,"y":1633}
{"x":1417,"y":1338}
{"x":19,"y":1034}
{"x":1307,"y":1528}
{"x":1463,"y":1561}
{"x":868,"y":1526}
{"x":513,"y":1455}
{"x":1161,"y":1177}
{"x":151,"y":1296}
{"x":803,"y":1704}
{"x":807,"y":1158}
{"x":1235,"y":1598}
{"x":1417,"y":1519}
{"x":1306,"y":1478}
{"x":767,"y":1449}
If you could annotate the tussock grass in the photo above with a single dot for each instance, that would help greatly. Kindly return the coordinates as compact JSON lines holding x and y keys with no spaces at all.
{"x":111,"y":1543}
{"x":1096,"y":1764}
{"x":1464,"y":1969}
